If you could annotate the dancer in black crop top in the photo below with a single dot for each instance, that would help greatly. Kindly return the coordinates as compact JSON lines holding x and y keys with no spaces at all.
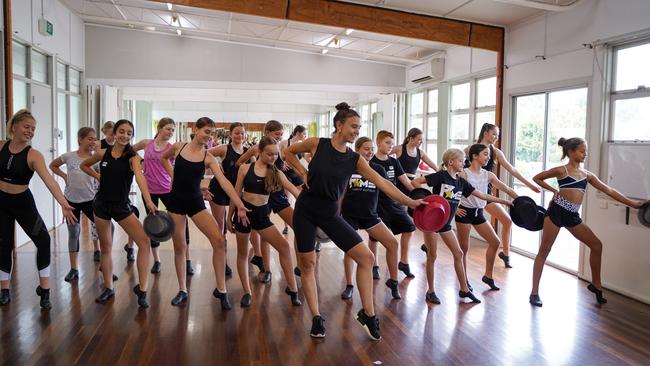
{"x":18,"y":162}
{"x":186,"y":200}
{"x":329,"y":172}
{"x":410,"y":154}
{"x":255,"y":182}
{"x":118,"y":165}
{"x":229,"y":154}
{"x":564,"y":210}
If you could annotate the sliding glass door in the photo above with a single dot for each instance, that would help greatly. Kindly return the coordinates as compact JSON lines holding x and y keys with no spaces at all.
{"x":540,"y":120}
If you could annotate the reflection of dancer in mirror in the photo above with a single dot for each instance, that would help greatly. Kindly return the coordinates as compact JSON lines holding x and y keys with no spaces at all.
{"x":564,"y":211}
{"x":489,"y":135}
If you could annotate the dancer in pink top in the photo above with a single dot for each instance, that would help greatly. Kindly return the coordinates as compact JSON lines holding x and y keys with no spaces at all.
{"x":158,"y":180}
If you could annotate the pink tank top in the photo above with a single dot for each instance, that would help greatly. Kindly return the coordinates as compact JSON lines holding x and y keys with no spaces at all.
{"x":158,"y":181}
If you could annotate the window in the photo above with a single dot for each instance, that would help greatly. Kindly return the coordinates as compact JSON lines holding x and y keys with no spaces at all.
{"x":473,"y":103}
{"x":39,"y":67}
{"x":324,"y":128}
{"x":19,"y":59}
{"x":68,"y":84}
{"x":431,"y":133}
{"x":459,"y":117}
{"x":630,"y":96}
{"x":416,"y":111}
{"x":364,"y":111}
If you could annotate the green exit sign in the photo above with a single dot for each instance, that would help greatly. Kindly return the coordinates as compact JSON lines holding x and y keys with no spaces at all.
{"x":45,"y":27}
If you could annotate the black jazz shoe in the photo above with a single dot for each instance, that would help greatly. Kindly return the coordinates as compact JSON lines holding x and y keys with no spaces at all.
{"x":180,"y":298}
{"x":106,"y":295}
{"x":223,"y":297}
{"x":44,"y":293}
{"x":142,"y":297}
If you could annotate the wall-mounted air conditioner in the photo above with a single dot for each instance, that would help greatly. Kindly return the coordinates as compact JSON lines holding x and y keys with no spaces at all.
{"x":431,"y":70}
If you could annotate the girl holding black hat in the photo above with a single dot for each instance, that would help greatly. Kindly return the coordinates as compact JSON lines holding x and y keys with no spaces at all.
{"x":564,"y":211}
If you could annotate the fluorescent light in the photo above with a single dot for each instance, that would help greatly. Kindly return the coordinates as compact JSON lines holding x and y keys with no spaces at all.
{"x":169,"y":6}
{"x":349,"y":31}
{"x":178,"y":31}
{"x":324,"y":51}
{"x":150,"y":28}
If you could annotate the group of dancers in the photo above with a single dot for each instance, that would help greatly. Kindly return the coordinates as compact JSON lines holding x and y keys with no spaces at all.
{"x":341,"y":191}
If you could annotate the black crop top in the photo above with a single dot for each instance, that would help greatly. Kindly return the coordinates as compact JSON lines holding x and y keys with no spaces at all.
{"x":13,"y":167}
{"x":188,"y":176}
{"x":253,"y":183}
{"x":409,"y":164}
{"x":115,"y":177}
{"x":330,"y":170}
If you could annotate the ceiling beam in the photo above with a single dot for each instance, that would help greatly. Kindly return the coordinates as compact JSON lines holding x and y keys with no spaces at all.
{"x":366,"y":18}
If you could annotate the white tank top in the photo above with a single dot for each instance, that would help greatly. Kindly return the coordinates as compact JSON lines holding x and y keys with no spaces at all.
{"x":480,"y":182}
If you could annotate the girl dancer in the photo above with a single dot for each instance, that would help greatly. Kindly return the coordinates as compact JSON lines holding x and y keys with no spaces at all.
{"x":80,"y":190}
{"x":118,"y":165}
{"x":449,"y":185}
{"x":186,"y":200}
{"x":470,"y":211}
{"x":489,"y":135}
{"x":564,"y":211}
{"x":329,"y":172}
{"x":257,"y":180}
{"x":360,"y":211}
{"x":18,"y":162}
{"x":158,"y":181}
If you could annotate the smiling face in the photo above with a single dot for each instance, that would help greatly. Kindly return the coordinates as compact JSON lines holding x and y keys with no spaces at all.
{"x":203,"y":135}
{"x":482,"y":158}
{"x":491,"y":136}
{"x":456,"y":164}
{"x":349,"y":129}
{"x":276,"y":135}
{"x":238,"y":135}
{"x":123,"y":134}
{"x":416,"y":141}
{"x":23,"y":130}
{"x":366,"y":150}
{"x":167,"y":132}
{"x":88,"y":143}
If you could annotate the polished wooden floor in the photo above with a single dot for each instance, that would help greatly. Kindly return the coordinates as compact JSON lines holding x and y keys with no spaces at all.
{"x":569,"y":330}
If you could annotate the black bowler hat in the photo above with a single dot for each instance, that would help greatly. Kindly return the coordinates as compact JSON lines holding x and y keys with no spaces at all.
{"x":159,"y":227}
{"x":538,"y":224}
{"x":644,"y":214}
{"x":524,"y":211}
{"x":418,"y":194}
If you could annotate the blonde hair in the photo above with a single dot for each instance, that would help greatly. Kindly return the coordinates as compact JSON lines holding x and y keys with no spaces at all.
{"x":19,"y":116}
{"x":451,"y":154}
{"x":108,"y":125}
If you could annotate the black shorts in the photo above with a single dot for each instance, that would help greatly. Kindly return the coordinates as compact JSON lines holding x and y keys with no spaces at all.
{"x":219,"y":196}
{"x":363,"y":223}
{"x":278,"y":201}
{"x":474,"y":216}
{"x":117,"y":211}
{"x":397,"y":219}
{"x":312,"y":212}
{"x":294,"y":178}
{"x":85,"y":207}
{"x":562,"y":217}
{"x":258,"y":218}
{"x":189,"y":206}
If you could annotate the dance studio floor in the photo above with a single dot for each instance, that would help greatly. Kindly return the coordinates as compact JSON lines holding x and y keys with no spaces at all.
{"x":569,"y":330}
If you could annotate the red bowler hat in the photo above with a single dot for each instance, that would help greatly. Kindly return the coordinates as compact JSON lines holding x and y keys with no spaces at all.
{"x":432,"y":217}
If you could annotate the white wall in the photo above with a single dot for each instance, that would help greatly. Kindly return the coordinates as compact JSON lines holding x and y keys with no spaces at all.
{"x":559,"y":36}
{"x":67,"y":42}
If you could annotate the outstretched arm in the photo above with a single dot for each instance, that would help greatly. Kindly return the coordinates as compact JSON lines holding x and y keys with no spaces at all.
{"x":515,"y":173}
{"x":140,"y":145}
{"x":599,"y":185}
{"x":385,"y":185}
{"x":427,"y":160}
{"x":501,"y":186}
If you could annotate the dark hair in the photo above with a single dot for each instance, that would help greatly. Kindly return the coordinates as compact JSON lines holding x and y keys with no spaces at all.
{"x":84,"y":132}
{"x":475,"y":150}
{"x":128,"y":149}
{"x":485,"y":128}
{"x":272,"y":126}
{"x":413,"y":133}
{"x":569,"y":145}
{"x":296,"y":130}
{"x":203,"y":122}
{"x":360,"y":141}
{"x":343,"y":112}
{"x":235,"y":125}
{"x":19,"y":116}
{"x":272,"y":181}
{"x":162,"y":123}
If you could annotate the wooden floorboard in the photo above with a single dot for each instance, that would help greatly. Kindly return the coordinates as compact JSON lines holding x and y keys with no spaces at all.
{"x":570,"y":329}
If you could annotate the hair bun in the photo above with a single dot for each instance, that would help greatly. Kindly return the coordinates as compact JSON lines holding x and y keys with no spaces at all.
{"x":561,"y":141}
{"x":342,"y":106}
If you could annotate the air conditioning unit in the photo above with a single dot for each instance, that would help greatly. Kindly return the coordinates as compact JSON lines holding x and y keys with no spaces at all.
{"x":431,"y":70}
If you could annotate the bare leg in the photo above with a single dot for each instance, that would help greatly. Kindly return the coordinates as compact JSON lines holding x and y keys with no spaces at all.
{"x":208,"y":227}
{"x":388,"y":240}
{"x":105,"y":233}
{"x":486,"y":231}
{"x":449,"y":238}
{"x":348,"y":264}
{"x":308,"y":278}
{"x":133,"y":228}
{"x":548,"y":238}
{"x":463,"y":231}
{"x":242,"y":260}
{"x":431,"y":242}
{"x":364,"y":258}
{"x":405,"y":240}
{"x":498,"y":212}
{"x":583,"y":233}
{"x":272,"y":236}
{"x":180,"y":248}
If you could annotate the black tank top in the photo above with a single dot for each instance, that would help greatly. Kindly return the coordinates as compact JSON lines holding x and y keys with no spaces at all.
{"x":253,"y":183}
{"x":409,"y":164}
{"x":188,"y":176}
{"x":229,"y":164}
{"x":330,"y":170}
{"x":115,"y":177}
{"x":104,"y":144}
{"x":13,"y":167}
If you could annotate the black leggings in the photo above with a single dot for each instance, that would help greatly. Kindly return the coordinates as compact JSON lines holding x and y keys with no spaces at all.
{"x":21,"y":208}
{"x":164,"y":197}
{"x":74,"y":230}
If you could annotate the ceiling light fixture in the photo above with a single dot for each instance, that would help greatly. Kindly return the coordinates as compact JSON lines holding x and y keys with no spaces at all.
{"x":178,"y":31}
{"x":169,"y":6}
{"x":349,"y":31}
{"x":324,"y":51}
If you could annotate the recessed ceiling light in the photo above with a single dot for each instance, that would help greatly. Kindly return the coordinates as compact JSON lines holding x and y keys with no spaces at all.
{"x":169,"y":6}
{"x":349,"y":31}
{"x":324,"y":51}
{"x":178,"y":31}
